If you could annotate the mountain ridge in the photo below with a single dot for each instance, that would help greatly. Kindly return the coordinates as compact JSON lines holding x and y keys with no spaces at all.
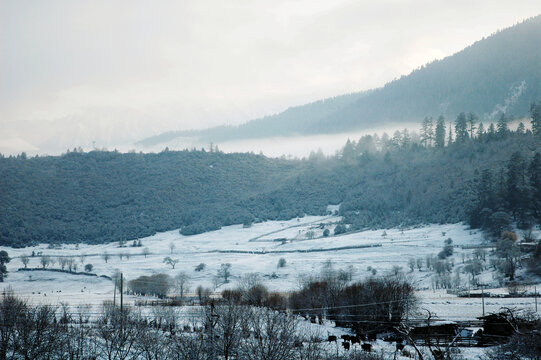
{"x":497,"y":74}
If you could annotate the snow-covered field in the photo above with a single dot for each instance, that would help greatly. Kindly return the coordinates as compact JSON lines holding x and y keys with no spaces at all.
{"x":257,"y":249}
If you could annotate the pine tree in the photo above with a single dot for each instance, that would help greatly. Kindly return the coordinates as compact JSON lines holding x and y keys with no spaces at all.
{"x":480,"y":131}
{"x":491,"y":133}
{"x":406,"y":139}
{"x":502,"y":127}
{"x":450,"y":137}
{"x":516,"y":186}
{"x":484,"y":203}
{"x":461,"y":128}
{"x":439,"y":139}
{"x":348,"y":152}
{"x":534,"y":174}
{"x":521,"y":129}
{"x":535,"y":112}
{"x":472,"y":120}
{"x":427,"y":131}
{"x":396,"y":141}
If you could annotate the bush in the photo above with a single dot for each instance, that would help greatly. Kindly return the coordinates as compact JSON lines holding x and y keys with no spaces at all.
{"x":89,"y":267}
{"x":281,"y":263}
{"x":200,"y":267}
{"x":339,"y":229}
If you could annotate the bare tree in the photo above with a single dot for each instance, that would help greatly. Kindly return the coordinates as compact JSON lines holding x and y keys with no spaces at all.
{"x":82,"y":258}
{"x":272,"y":335}
{"x":419,"y":264}
{"x":170,"y":262}
{"x":62,"y":261}
{"x":146,"y":252}
{"x":182,"y":283}
{"x":105,"y":256}
{"x":351,"y":271}
{"x":187,"y":348}
{"x":45,"y":260}
{"x":172,"y":247}
{"x":224,"y":272}
{"x":70,"y":263}
{"x":150,"y":343}
{"x":227,"y":322}
{"x":25,"y":260}
{"x":411,"y":264}
{"x":118,"y":332}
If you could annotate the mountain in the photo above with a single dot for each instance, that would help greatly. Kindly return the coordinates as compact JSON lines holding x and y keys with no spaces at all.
{"x":293,"y":121}
{"x":501,"y":73}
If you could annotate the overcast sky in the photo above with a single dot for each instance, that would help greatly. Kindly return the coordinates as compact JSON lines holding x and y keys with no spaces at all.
{"x":73,"y":72}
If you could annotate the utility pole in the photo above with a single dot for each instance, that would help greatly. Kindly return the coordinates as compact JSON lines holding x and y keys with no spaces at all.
{"x":121,"y":292}
{"x":121,"y":304}
{"x":114,"y":293}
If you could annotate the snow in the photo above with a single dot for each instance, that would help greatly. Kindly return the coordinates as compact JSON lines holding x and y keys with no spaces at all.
{"x":257,"y":249}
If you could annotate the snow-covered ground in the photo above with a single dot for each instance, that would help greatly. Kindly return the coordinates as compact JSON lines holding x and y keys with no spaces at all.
{"x":257,"y":249}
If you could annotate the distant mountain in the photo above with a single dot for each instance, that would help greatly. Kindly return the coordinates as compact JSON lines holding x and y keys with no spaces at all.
{"x":501,"y":73}
{"x":294,"y":121}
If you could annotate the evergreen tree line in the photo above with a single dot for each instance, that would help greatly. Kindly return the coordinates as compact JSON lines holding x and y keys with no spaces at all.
{"x":509,"y":195}
{"x":380,"y":181}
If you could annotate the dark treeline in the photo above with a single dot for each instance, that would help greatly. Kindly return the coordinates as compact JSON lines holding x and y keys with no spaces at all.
{"x":108,"y":196}
{"x":438,"y":176}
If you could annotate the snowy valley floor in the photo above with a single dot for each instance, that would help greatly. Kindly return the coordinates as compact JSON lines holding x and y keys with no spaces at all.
{"x":257,"y":249}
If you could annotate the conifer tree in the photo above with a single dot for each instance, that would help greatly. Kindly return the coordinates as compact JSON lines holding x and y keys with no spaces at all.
{"x":450,"y":136}
{"x":427,"y":131}
{"x":480,"y":131}
{"x":502,"y":127}
{"x":472,"y":120}
{"x":461,"y":128}
{"x":534,"y":174}
{"x":439,"y":138}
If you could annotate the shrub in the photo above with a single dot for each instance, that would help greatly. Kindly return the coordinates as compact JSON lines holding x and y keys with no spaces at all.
{"x":339,"y":229}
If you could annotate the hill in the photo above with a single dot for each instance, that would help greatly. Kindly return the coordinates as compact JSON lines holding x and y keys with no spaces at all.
{"x":498,"y":74}
{"x":101,"y":197}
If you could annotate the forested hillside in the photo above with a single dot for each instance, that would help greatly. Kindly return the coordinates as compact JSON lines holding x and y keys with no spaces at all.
{"x":107,"y":196}
{"x":498,"y":74}
{"x":380,"y":181}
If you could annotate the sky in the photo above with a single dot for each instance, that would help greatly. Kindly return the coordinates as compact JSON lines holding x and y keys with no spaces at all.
{"x":108,"y":73}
